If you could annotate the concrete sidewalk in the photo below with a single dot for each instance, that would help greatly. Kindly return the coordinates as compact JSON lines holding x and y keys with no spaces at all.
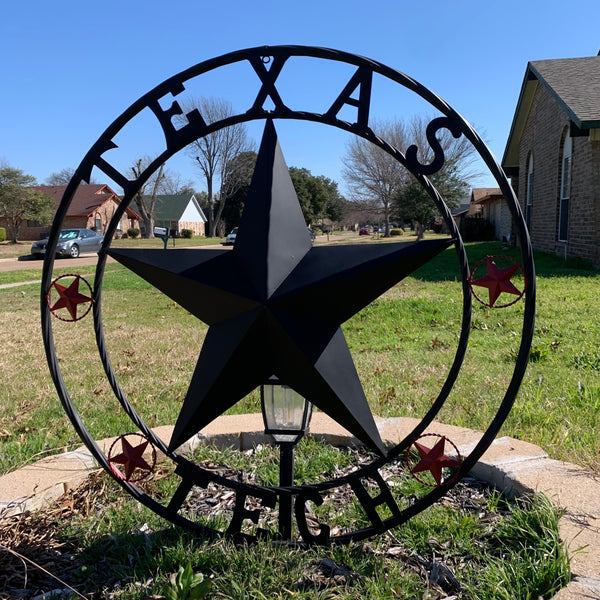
{"x":512,"y":466}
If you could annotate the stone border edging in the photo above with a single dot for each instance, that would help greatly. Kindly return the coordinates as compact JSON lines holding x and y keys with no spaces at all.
{"x":513,"y":466}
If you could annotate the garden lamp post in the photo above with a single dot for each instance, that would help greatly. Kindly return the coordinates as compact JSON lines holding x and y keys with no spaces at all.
{"x":286,"y":415}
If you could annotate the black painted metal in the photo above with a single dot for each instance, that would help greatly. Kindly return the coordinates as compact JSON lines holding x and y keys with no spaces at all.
{"x":268,"y":63}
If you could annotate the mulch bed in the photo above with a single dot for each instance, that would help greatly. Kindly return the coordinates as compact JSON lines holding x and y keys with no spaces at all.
{"x":39,"y":536}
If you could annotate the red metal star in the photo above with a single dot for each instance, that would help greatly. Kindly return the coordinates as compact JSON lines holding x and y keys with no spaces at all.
{"x":131,"y":458}
{"x":69,"y":298}
{"x":497,"y":280}
{"x":434,"y":460}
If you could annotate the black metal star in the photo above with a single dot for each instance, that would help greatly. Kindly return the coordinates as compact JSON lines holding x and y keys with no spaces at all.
{"x":274,"y":304}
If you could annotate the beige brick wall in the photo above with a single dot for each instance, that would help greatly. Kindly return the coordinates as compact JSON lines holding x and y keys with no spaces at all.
{"x":542,"y":136}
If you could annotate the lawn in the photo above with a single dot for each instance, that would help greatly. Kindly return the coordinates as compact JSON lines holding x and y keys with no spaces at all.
{"x":403,"y":345}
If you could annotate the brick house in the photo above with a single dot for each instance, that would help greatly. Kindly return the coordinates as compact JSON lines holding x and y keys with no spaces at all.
{"x":489,"y":204}
{"x":553,"y":155}
{"x":92,"y":207}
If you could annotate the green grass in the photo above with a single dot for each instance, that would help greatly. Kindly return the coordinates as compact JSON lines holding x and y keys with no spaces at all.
{"x":403,"y":345}
{"x":486,"y":548}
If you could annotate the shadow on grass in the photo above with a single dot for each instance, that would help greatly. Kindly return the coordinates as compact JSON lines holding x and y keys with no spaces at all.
{"x":445,"y":267}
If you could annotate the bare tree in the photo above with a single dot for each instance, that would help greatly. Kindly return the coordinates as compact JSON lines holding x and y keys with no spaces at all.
{"x":452,"y":180}
{"x":373,"y":175}
{"x":62,"y":177}
{"x":215,"y":151}
{"x":145,"y":202}
{"x":459,"y":153}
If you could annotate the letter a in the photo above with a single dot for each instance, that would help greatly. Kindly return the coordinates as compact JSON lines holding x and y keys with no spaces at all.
{"x":363,"y":78}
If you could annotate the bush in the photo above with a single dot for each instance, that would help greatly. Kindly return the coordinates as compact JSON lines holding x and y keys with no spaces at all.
{"x":2,"y":234}
{"x":396,"y":231}
{"x":133,"y":232}
{"x":188,"y":234}
{"x":476,"y":230}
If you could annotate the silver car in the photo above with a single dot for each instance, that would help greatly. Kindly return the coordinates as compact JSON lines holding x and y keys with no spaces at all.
{"x":71,"y":242}
{"x":230,"y":239}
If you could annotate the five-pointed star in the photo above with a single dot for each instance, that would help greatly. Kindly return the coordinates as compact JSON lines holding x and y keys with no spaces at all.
{"x":131,"y":458}
{"x":497,"y":280}
{"x":69,"y":297}
{"x":274,"y":304}
{"x":433,"y":460}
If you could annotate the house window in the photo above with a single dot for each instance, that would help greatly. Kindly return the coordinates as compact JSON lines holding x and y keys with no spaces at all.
{"x":529,"y":191}
{"x":565,"y":189}
{"x":98,"y":224}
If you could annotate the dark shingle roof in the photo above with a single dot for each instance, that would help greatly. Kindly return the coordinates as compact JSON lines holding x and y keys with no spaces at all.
{"x":575,"y":83}
{"x":171,"y":207}
{"x":481,"y":194}
{"x":87,"y":198}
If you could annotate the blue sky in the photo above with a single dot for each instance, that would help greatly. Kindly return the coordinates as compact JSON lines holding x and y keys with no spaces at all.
{"x":69,"y":68}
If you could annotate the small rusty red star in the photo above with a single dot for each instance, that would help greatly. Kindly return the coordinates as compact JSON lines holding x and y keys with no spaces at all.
{"x":498,"y":280}
{"x":70,"y":297}
{"x":131,"y":457}
{"x":433,"y":460}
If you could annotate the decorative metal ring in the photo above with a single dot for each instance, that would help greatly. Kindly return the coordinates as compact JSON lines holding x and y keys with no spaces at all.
{"x":437,"y":460}
{"x":176,"y":140}
{"x":516,"y":292}
{"x":131,"y":458}
{"x":69,"y":303}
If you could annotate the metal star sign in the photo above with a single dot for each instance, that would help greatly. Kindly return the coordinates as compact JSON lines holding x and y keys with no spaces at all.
{"x":497,"y":280}
{"x":275,"y":304}
{"x":434,"y":460}
{"x":69,"y":297}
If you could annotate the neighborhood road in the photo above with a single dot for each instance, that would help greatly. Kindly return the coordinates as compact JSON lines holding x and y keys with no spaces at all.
{"x":86,"y":260}
{"x":16,"y":264}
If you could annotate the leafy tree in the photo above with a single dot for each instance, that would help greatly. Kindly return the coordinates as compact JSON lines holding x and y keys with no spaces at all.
{"x":413,"y":203}
{"x":312,"y":193}
{"x":19,"y":202}
{"x":318,"y":195}
{"x":235,"y":189}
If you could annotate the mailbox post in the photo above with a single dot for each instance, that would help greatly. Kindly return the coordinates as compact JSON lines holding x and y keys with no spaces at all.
{"x":163,"y":233}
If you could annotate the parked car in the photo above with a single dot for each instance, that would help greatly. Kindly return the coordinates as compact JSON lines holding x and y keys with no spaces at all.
{"x":71,"y":242}
{"x":230,"y":239}
{"x":364,"y":231}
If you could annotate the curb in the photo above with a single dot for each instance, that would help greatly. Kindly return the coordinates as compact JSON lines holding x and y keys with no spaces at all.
{"x":512,"y":466}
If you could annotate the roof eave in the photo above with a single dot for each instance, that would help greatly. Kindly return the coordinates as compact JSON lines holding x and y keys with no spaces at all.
{"x":510,"y":159}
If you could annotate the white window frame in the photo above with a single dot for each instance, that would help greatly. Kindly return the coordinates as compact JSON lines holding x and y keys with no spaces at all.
{"x":529,"y":191}
{"x":566,"y":169}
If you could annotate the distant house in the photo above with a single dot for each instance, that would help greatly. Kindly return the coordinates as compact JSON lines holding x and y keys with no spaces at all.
{"x":489,"y":204}
{"x":92,"y":207}
{"x":553,"y":155}
{"x":460,"y":211}
{"x":180,"y":211}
